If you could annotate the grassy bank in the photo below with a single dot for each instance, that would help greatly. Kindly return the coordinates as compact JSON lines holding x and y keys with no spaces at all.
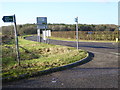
{"x":69,"y":39}
{"x":37,"y":56}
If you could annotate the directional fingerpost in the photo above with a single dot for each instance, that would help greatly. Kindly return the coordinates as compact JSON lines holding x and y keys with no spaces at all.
{"x":8,"y":19}
{"x":13,"y":19}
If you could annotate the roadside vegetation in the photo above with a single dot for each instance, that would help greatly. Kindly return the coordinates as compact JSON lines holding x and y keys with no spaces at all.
{"x":37,"y":56}
{"x":102,"y":32}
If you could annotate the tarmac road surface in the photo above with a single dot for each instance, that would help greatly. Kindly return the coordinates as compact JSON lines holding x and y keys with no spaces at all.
{"x":101,"y":72}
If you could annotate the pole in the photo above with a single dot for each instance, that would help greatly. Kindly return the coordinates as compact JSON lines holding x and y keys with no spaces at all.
{"x":77,"y":32}
{"x":16,"y":41}
{"x":45,"y":35}
{"x":48,"y":36}
{"x":38,"y":39}
{"x":37,"y":36}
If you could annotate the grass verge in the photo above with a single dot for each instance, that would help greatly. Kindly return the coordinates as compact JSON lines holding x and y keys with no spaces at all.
{"x":37,"y":56}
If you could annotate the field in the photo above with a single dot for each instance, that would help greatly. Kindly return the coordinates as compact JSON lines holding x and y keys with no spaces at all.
{"x":88,"y":35}
{"x":37,"y":56}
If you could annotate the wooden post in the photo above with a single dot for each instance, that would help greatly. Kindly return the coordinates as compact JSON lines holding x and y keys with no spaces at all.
{"x":16,"y":41}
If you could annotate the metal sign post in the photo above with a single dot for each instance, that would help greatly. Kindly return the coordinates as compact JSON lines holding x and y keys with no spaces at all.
{"x":38,"y":39}
{"x":13,"y":19}
{"x":45,"y":36}
{"x":76,"y":20}
{"x":48,"y":35}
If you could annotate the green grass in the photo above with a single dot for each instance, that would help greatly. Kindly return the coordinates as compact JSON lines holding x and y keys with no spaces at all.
{"x":37,"y":56}
{"x":69,"y":39}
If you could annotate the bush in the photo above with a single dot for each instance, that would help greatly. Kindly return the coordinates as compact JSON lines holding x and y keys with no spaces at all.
{"x":26,"y":30}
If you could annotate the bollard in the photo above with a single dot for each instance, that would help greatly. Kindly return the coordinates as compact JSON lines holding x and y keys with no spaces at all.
{"x":116,"y":39}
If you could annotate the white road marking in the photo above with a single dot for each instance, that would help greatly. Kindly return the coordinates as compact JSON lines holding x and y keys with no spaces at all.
{"x":97,"y":52}
{"x":106,"y":53}
{"x":115,"y":53}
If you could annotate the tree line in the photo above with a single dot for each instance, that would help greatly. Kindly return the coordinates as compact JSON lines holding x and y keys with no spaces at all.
{"x":32,"y":28}
{"x":26,"y":29}
{"x":83,"y":27}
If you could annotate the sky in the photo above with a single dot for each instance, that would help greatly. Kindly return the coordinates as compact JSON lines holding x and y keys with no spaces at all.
{"x":88,"y":12}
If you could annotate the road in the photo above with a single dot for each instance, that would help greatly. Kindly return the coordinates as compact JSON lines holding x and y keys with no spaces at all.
{"x":101,"y":72}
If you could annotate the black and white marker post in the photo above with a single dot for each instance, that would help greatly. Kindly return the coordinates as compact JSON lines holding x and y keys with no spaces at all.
{"x":76,"y":20}
{"x":13,"y":19}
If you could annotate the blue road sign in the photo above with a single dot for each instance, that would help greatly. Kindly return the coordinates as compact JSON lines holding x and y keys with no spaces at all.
{"x":8,"y":18}
{"x":76,"y":19}
{"x":42,"y":22}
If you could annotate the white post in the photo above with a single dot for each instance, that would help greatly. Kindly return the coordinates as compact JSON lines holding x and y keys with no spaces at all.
{"x":38,"y":39}
{"x":45,"y":34}
{"x":116,"y":39}
{"x":49,"y":34}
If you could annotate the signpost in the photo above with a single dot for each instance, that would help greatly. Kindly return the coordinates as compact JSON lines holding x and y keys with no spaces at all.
{"x":76,"y":20}
{"x":8,"y":18}
{"x":42,"y":20}
{"x":13,"y":19}
{"x":41,"y":24}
